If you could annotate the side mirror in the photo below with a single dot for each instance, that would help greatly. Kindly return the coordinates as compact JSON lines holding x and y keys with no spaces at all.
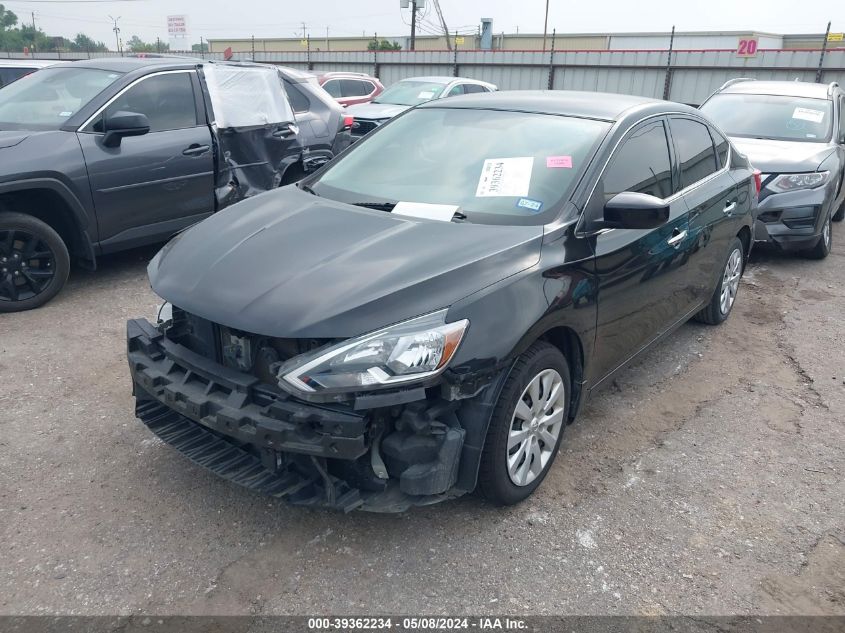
{"x":630,"y":210}
{"x":122,"y":123}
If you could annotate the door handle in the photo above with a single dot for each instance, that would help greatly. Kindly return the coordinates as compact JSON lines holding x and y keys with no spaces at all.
{"x":730,"y":207}
{"x":196,"y":150}
{"x":676,"y":240}
{"x":286,"y":132}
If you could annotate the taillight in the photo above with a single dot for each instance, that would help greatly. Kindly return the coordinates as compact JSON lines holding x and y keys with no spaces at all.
{"x":347,"y":122}
{"x":758,"y":180}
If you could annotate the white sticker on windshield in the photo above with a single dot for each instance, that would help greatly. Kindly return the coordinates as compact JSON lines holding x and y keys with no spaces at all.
{"x":426,"y":94}
{"x":807,"y":114}
{"x":65,"y":114}
{"x":442,"y":212}
{"x":505,"y":177}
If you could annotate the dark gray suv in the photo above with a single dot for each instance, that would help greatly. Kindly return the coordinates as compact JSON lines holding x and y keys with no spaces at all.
{"x":794,"y":133}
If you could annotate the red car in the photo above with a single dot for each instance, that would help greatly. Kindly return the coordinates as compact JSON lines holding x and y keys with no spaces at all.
{"x":351,"y":88}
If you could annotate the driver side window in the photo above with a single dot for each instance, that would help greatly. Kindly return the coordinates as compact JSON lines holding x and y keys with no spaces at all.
{"x":166,"y":100}
{"x":640,"y":164}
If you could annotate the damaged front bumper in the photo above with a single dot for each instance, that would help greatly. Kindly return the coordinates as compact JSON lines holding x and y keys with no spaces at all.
{"x":383,"y":459}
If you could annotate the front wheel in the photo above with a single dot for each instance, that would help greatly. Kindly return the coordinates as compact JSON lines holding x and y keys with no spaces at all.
{"x":823,"y":246}
{"x":527,"y":425}
{"x":723,"y":298}
{"x":34,"y":262}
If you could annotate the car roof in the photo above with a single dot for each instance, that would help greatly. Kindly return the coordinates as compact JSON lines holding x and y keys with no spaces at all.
{"x":593,"y":105}
{"x":28,"y":63}
{"x":785,"y":88}
{"x":441,"y":80}
{"x":129,"y":64}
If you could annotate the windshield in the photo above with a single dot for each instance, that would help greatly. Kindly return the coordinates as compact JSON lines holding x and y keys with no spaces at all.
{"x":493,"y":166}
{"x":772,"y":117}
{"x":410,"y":93}
{"x":46,"y":99}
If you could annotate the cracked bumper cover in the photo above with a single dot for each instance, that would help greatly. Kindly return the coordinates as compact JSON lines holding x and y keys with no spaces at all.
{"x":240,"y":428}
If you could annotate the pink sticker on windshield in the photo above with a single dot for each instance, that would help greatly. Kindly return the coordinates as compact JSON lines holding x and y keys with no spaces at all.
{"x":559,"y":162}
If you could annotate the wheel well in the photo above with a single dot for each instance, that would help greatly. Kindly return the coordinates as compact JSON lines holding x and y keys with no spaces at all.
{"x":568,"y":342}
{"x":50,"y":208}
{"x":294,"y":173}
{"x":744,"y":236}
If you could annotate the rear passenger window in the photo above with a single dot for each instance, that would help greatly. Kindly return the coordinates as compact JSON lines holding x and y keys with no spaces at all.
{"x":8,"y":75}
{"x":356,"y":88}
{"x":333,"y":88}
{"x":298,"y":101}
{"x":695,"y":150}
{"x":474,"y":88}
{"x":641,"y":164}
{"x":721,"y":144}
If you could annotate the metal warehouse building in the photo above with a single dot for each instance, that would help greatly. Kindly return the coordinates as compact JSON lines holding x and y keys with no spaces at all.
{"x":698,"y":40}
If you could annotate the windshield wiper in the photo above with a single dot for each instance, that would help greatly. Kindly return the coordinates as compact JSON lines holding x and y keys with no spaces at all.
{"x":308,"y":189}
{"x":378,"y":206}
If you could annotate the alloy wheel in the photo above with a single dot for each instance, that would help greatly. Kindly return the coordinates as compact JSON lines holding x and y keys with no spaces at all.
{"x":826,"y":233}
{"x":535,"y":427}
{"x":730,"y":281}
{"x":27,"y":265}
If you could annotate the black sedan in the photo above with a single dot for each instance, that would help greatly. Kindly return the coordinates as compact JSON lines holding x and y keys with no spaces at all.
{"x":426,"y":314}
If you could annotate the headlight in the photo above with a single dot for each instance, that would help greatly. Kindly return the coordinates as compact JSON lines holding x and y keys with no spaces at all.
{"x":791,"y":182}
{"x":406,"y":352}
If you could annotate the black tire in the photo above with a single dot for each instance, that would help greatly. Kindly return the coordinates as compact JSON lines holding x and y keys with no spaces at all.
{"x":30,"y":282}
{"x":494,"y":480}
{"x":714,"y":314}
{"x":839,"y":215}
{"x":823,"y":246}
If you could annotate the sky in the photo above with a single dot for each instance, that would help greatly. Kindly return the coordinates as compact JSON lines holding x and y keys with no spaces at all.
{"x":283,"y":18}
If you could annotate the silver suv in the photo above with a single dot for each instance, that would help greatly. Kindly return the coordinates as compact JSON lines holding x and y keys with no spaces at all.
{"x":794,"y":133}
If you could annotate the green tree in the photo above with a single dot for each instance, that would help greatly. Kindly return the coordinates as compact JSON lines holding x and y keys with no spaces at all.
{"x":83,"y":43}
{"x":137,"y":45}
{"x":383,"y":45}
{"x":199,"y":48}
{"x":7,"y":18}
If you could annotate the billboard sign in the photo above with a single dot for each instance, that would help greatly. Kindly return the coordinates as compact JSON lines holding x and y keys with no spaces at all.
{"x":177,"y":32}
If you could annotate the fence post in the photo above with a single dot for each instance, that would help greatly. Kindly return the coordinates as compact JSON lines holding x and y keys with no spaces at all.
{"x":820,"y":71}
{"x":253,"y":48}
{"x":455,"y":59}
{"x":375,"y":58}
{"x":308,"y":52}
{"x":551,"y":83}
{"x":667,"y":83}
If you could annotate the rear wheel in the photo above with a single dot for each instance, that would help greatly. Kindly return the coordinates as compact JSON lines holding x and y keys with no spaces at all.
{"x":34,"y":262}
{"x":822,"y":247}
{"x":527,"y":426}
{"x":723,"y":298}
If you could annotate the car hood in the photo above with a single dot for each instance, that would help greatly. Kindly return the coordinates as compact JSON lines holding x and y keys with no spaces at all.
{"x":772,"y":157}
{"x":291,"y":265}
{"x":375,"y":110}
{"x":12,"y":138}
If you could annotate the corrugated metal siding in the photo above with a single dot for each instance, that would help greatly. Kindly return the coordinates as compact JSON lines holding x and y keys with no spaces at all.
{"x":695,"y":74}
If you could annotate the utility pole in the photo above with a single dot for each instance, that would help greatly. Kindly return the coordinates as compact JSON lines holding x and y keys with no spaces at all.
{"x":443,"y":24}
{"x":546,"y":25}
{"x":414,"y":25}
{"x":821,"y":57}
{"x":328,"y":46}
{"x":35,"y":33}
{"x":116,"y":33}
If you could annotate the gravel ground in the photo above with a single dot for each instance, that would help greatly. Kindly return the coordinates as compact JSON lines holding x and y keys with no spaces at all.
{"x":708,"y":479}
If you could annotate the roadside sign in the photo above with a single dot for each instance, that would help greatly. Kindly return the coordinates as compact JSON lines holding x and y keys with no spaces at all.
{"x":459,"y":40}
{"x":303,"y":42}
{"x":747,"y":47}
{"x":227,"y":54}
{"x":835,"y":37}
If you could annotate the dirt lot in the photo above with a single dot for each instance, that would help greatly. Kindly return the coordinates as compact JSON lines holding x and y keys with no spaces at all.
{"x":707,"y":480}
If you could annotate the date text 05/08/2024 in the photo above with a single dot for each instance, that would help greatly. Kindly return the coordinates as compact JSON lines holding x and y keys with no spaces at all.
{"x":415,"y":623}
